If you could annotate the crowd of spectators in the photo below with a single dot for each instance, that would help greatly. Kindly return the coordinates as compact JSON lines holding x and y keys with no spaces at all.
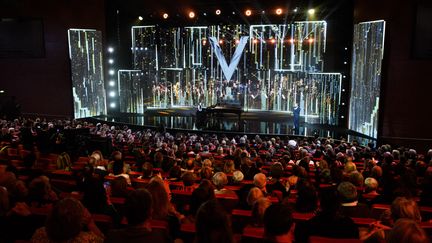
{"x":333,"y":181}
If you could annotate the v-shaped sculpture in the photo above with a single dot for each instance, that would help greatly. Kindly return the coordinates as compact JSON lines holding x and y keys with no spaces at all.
{"x":228,"y":71}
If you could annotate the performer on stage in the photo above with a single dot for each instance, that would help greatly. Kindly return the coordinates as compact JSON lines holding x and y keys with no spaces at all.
{"x":296,"y":113}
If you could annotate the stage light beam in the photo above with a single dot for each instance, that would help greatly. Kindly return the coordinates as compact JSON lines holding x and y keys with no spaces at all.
{"x":113,"y":105}
{"x":112,"y":83}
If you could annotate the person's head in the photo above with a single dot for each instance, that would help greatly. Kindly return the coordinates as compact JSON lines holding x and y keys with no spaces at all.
{"x":258,"y":210}
{"x":160,"y":198}
{"x":350,"y":167}
{"x":276,"y":170}
{"x":229,"y":166}
{"x":370,"y":184}
{"x":119,"y":187}
{"x":188,"y":179}
{"x":207,"y":163}
{"x":138,"y":206}
{"x":407,"y":230}
{"x":347,"y":192}
{"x":116,"y":156}
{"x":329,"y":201}
{"x":206,"y":173}
{"x":200,"y":195}
{"x":220,"y":180}
{"x":65,"y":220}
{"x":147,"y":170}
{"x":175,"y":172}
{"x":376,"y":172}
{"x":307,"y":197}
{"x":278,"y":222}
{"x":4,"y":201}
{"x":405,"y":208}
{"x":97,"y":154}
{"x":213,"y":224}
{"x":356,"y":178}
{"x":39,"y":188}
{"x":260,"y":180}
{"x":254,"y":194}
{"x":237,"y":176}
{"x":118,"y":167}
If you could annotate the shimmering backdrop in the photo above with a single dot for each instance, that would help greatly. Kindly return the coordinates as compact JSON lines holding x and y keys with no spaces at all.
{"x":368,"y":50}
{"x":280,"y":65}
{"x":85,"y":52}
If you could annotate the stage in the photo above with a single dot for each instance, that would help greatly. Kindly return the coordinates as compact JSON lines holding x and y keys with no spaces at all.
{"x":251,"y":122}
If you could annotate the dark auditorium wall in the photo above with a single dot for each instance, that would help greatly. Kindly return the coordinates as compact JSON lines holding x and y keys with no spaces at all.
{"x":43,"y":85}
{"x":405,"y":116}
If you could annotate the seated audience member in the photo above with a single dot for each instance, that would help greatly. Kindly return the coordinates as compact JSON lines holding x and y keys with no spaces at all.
{"x":254,"y":194}
{"x":328,"y":222}
{"x":162,"y":208}
{"x":278,"y":224}
{"x":356,"y":178}
{"x":175,"y":173}
{"x":188,"y":179}
{"x":260,"y":181}
{"x":349,"y":199}
{"x":275,"y":184}
{"x":203,"y":193}
{"x":138,"y":213}
{"x":119,"y":169}
{"x":229,"y":167}
{"x":147,"y":171}
{"x":206,"y":173}
{"x":119,"y":187}
{"x":307,"y":197}
{"x":237,"y":177}
{"x":370,"y":195}
{"x":40,"y":192}
{"x":406,"y":231}
{"x":405,"y":208}
{"x":213,"y":224}
{"x":258,"y":210}
{"x":65,"y":222}
{"x":220,"y":180}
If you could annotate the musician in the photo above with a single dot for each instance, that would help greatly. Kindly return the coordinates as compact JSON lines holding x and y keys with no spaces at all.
{"x":296,"y":113}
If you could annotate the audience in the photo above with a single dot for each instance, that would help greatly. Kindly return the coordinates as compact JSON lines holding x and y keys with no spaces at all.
{"x":326,"y":174}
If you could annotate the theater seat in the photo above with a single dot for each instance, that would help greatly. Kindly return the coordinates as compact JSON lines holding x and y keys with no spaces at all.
{"x":317,"y":239}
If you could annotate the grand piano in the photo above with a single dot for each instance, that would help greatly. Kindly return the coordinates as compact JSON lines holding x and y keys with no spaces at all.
{"x":221,"y":108}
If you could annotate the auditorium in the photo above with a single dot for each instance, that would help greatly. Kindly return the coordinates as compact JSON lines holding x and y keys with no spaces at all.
{"x":238,"y":121}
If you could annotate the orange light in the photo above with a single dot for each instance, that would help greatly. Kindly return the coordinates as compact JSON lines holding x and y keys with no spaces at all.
{"x":311,"y":40}
{"x":191,"y":14}
{"x":237,"y":41}
{"x":220,"y":41}
{"x":272,"y":41}
{"x":248,"y":12}
{"x":255,"y":41}
{"x":165,"y":16}
{"x":204,"y":42}
{"x":291,"y":40}
{"x":279,"y":11}
{"x":218,"y":12}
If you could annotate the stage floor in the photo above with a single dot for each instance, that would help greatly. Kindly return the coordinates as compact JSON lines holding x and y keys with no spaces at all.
{"x":252,"y":122}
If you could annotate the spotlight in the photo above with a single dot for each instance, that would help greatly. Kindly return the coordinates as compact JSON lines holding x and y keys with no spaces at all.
{"x":272,"y":40}
{"x":112,"y":94}
{"x":110,"y":61}
{"x":218,"y":12}
{"x":311,"y":40}
{"x":140,"y":18}
{"x":248,"y":12}
{"x":204,"y":42}
{"x":110,"y":49}
{"x":2,"y":91}
{"x":111,"y":83}
{"x":291,"y":40}
{"x":113,"y":105}
{"x":295,"y":10}
{"x":165,"y":16}
{"x":191,"y":15}
{"x":255,"y":41}
{"x":111,"y":72}
{"x":311,"y":11}
{"x":237,"y":41}
{"x":279,"y":11}
{"x":220,"y":41}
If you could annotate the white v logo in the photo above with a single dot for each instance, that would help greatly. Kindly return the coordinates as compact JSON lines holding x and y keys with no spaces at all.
{"x":228,"y":70}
